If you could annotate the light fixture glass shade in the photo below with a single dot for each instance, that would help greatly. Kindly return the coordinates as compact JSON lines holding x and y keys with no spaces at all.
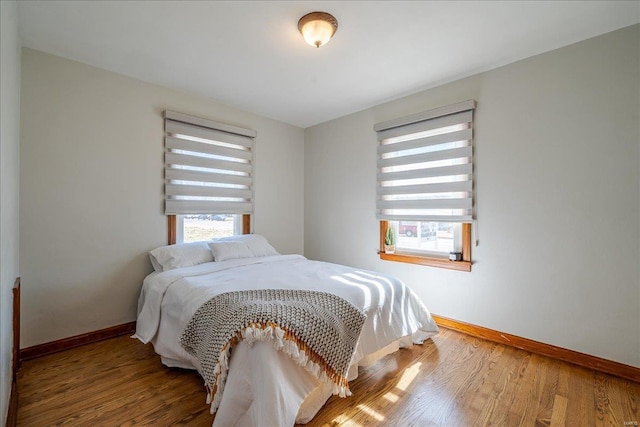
{"x":317,"y":28}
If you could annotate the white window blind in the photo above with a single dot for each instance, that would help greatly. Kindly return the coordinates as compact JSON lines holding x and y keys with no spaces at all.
{"x":208,"y":166}
{"x":425,"y":166}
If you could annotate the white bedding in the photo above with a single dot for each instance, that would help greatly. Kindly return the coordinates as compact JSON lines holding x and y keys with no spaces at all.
{"x":263,"y":383}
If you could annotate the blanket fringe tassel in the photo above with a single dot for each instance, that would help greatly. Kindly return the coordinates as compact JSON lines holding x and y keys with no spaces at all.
{"x":284,"y":341}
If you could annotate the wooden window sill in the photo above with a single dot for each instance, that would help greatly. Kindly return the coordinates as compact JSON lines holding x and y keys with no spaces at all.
{"x":428,"y":261}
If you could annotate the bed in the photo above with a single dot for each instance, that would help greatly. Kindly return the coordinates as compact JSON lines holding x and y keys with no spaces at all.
{"x":262,"y":380}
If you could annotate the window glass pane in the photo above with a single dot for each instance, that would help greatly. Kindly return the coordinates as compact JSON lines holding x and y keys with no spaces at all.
{"x":432,"y":237}
{"x":207,"y":227}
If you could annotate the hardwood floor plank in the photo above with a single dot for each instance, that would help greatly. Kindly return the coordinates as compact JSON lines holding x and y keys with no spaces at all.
{"x":472,"y":394}
{"x":497,"y":389}
{"x":600,"y":400}
{"x":451,"y":380}
{"x":509,"y":385}
{"x":559,"y":412}
{"x":548,"y":395}
{"x":629,"y":398}
{"x":614,"y":404}
{"x":580,"y":407}
{"x":525,"y":377}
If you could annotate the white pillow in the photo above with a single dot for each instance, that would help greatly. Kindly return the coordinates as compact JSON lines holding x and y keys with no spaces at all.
{"x":257,"y":243}
{"x":167,"y":258}
{"x":223,"y":251}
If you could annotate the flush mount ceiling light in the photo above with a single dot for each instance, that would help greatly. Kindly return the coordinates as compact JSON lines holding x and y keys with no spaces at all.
{"x":317,"y":28}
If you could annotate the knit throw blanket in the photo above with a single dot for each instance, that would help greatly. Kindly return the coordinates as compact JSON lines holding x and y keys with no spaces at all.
{"x":318,"y":330}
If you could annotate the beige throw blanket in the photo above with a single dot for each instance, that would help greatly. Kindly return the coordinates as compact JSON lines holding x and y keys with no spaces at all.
{"x":318,"y":330}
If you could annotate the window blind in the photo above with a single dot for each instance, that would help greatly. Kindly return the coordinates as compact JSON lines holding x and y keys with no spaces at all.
{"x":208,"y":166}
{"x":425,"y":166}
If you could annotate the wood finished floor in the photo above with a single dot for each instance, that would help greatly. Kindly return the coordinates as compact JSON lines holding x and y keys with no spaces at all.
{"x":454,"y":380}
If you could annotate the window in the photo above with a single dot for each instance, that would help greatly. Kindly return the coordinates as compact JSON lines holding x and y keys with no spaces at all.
{"x":208,"y":178}
{"x":436,"y":238}
{"x":425,"y":185}
{"x":193,"y":228}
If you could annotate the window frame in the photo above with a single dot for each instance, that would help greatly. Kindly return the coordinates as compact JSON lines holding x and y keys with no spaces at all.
{"x":431,"y":261}
{"x":419,"y":208}
{"x":172,"y":236}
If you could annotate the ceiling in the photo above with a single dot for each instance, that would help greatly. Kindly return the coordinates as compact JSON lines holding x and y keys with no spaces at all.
{"x":249,"y":54}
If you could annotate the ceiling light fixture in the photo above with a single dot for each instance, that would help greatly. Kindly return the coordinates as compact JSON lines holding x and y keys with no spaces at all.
{"x":317,"y":28}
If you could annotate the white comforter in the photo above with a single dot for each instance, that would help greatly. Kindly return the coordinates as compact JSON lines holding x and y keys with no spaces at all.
{"x":263,"y":383}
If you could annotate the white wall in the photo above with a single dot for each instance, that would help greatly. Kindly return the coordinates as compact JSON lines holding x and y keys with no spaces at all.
{"x":9,"y":188}
{"x":557,"y":195}
{"x":92,"y":190}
